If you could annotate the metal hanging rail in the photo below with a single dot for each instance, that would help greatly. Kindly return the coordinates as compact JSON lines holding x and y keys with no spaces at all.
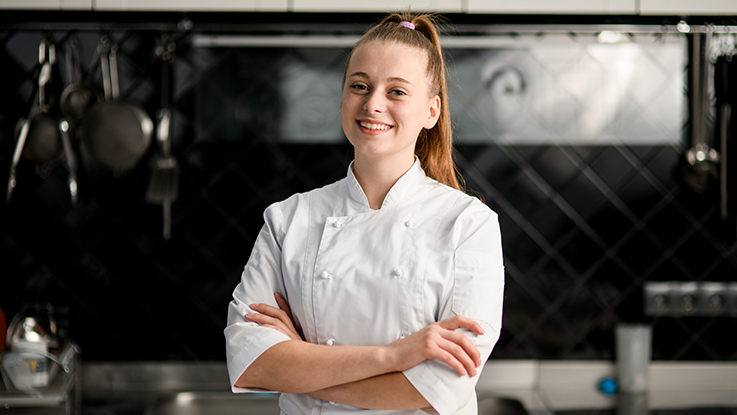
{"x":460,"y":29}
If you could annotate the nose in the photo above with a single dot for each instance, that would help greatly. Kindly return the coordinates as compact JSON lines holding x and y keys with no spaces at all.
{"x":375,"y":103}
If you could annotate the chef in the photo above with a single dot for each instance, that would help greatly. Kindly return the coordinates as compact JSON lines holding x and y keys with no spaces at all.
{"x":381,"y":292}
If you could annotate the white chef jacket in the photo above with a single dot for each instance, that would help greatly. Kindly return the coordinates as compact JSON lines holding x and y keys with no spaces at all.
{"x":357,"y":276}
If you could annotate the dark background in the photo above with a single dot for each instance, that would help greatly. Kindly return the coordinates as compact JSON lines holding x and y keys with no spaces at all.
{"x":583,"y":226}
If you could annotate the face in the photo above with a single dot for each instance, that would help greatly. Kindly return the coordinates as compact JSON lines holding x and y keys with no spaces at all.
{"x":386,"y":101}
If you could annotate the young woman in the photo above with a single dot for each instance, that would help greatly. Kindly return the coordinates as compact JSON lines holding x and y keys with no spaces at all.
{"x":382,"y":291}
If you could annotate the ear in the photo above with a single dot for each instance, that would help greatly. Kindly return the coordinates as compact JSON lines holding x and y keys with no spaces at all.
{"x":433,"y":113}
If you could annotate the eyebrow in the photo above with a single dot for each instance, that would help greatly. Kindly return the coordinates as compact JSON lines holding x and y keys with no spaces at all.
{"x":393,"y":78}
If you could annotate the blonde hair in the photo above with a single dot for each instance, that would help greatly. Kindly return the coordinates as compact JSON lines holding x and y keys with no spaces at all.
{"x":434,"y":147}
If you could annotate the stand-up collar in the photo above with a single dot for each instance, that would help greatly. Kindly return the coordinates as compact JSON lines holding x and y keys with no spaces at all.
{"x":404,"y":187}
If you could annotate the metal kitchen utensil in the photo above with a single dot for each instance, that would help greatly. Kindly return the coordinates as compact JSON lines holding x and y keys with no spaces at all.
{"x":42,"y":142}
{"x":34,"y":323}
{"x":701,"y":160}
{"x":70,"y":159}
{"x":164,"y":183}
{"x":37,"y":134}
{"x":77,"y":97}
{"x":163,"y":187}
{"x":12,"y":181}
{"x":116,"y":133}
{"x":725,"y":118}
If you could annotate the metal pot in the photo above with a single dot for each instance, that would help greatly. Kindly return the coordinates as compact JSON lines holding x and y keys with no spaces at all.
{"x":38,"y":135}
{"x":116,"y":133}
{"x":42,"y":143}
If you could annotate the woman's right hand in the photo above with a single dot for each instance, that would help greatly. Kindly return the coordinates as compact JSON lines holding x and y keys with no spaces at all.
{"x":440,"y":341}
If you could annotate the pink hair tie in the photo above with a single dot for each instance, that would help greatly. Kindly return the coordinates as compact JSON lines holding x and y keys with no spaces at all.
{"x":408,"y":25}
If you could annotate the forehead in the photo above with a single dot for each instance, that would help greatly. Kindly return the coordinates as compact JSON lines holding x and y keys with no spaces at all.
{"x":387,"y":60}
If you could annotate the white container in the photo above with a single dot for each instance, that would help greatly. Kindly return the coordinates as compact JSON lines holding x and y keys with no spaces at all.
{"x":27,"y":365}
{"x":634,"y":345}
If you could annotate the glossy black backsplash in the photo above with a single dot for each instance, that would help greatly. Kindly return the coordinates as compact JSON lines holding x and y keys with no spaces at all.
{"x":583,"y":226}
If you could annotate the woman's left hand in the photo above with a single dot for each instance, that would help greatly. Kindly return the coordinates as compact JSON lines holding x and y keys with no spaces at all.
{"x":277,"y":318}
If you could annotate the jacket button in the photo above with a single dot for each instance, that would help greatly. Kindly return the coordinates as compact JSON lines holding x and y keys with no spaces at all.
{"x":398,"y":272}
{"x":337,"y":224}
{"x":408,"y":223}
{"x":325,"y":275}
{"x":330,"y":342}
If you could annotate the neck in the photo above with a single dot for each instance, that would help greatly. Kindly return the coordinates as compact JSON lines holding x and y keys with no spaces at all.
{"x":377,"y":177}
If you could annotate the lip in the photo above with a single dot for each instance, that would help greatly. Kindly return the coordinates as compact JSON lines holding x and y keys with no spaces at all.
{"x":372,"y":132}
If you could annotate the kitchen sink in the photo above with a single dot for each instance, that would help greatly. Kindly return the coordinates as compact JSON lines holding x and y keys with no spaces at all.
{"x":217,"y":403}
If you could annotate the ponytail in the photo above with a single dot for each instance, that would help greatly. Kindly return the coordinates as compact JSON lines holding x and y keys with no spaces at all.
{"x":434,"y":146}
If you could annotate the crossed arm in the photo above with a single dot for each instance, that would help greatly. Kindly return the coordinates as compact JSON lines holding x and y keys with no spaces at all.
{"x":362,"y":376}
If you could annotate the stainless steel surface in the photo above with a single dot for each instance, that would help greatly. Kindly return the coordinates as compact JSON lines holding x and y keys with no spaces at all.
{"x":117,"y":133}
{"x":165,"y":388}
{"x":491,"y":405}
{"x":151,"y":379}
{"x":218,"y":403}
{"x":42,"y":143}
{"x":37,"y":134}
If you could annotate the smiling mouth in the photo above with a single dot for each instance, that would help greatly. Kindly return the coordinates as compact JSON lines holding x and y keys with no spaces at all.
{"x":374,"y":127}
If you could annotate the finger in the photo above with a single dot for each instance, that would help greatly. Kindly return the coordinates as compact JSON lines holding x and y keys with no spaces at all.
{"x":456,"y":347}
{"x":265,"y":320}
{"x":267,"y":309}
{"x":461,"y":322}
{"x":276,"y":313}
{"x":283,"y":304}
{"x":274,"y":323}
{"x":458,"y":338}
{"x":459,"y":355}
{"x":442,"y":355}
{"x":469,"y":348}
{"x":261,"y":318}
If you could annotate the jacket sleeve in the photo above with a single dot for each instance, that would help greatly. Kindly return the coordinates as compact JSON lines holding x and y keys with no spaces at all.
{"x":477,"y":292}
{"x":245,"y":341}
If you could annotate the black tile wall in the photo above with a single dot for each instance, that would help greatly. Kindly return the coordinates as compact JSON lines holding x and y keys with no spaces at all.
{"x":583,"y":226}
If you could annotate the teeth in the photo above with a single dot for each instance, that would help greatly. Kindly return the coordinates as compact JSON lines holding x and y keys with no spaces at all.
{"x":374,"y":126}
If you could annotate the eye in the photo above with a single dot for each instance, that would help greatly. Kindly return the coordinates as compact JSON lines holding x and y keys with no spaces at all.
{"x":398,"y":92}
{"x":359,"y":87}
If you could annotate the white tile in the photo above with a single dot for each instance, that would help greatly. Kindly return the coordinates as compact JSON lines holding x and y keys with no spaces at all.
{"x":377,"y":6}
{"x":30,"y":4}
{"x":701,"y":7}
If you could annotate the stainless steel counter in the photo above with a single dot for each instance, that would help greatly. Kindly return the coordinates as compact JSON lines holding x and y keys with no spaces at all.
{"x":543,"y":387}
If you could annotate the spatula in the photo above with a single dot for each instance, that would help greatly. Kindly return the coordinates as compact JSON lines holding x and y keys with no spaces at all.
{"x":164,"y":185}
